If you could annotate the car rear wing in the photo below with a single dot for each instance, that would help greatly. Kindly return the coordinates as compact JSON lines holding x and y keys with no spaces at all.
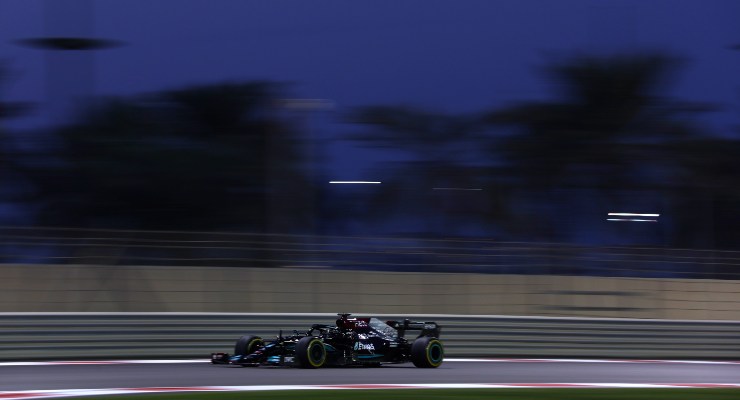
{"x":431,"y":329}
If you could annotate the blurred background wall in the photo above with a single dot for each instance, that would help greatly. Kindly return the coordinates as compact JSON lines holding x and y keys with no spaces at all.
{"x":143,"y":271}
{"x":75,"y":288}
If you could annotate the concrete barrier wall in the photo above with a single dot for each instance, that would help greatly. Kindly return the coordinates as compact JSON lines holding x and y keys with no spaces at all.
{"x":89,"y":288}
{"x":70,"y":336}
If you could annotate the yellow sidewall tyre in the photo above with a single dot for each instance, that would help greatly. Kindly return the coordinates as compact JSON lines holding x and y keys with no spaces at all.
{"x":427,"y":352}
{"x":310,"y":352}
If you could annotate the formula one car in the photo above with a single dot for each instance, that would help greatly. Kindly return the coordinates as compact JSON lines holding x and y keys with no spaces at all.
{"x":351,"y":341}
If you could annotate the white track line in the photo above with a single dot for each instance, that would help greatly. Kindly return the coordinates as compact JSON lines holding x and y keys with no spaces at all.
{"x":46,"y":394}
{"x":486,"y":360}
{"x":572,"y":360}
{"x":102,"y":362}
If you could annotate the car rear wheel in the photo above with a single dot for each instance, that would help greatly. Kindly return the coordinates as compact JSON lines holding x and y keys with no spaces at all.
{"x":310,"y":352}
{"x":427,"y":352}
{"x":247,"y":345}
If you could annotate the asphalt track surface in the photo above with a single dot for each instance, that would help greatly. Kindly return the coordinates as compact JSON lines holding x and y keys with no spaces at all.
{"x":202,"y":373}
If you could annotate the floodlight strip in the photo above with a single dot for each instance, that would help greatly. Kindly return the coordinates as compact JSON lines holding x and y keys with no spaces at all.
{"x":356,"y":182}
{"x":452,"y":188}
{"x":618,"y":214}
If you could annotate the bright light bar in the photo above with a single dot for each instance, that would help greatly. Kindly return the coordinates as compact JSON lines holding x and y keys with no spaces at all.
{"x":632,"y":219}
{"x":444,"y":188}
{"x":356,"y":182}
{"x":632,"y":215}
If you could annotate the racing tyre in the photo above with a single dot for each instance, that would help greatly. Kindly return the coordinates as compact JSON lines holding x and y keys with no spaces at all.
{"x":427,"y":352}
{"x":310,"y":352}
{"x":247,"y":345}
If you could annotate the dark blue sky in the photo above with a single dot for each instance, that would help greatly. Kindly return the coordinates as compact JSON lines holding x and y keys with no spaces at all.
{"x":447,"y":55}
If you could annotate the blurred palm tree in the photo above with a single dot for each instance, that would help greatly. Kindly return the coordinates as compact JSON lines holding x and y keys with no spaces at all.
{"x":11,"y":187}
{"x":438,"y":158}
{"x":206,"y":157}
{"x":608,"y":111}
{"x":705,"y":192}
{"x":605,"y":135}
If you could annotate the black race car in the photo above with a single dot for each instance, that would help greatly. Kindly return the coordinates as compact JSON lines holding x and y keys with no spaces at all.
{"x":350,"y":341}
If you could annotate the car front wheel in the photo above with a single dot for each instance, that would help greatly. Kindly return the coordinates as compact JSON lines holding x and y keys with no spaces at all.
{"x":247,"y":345}
{"x":310,"y":352}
